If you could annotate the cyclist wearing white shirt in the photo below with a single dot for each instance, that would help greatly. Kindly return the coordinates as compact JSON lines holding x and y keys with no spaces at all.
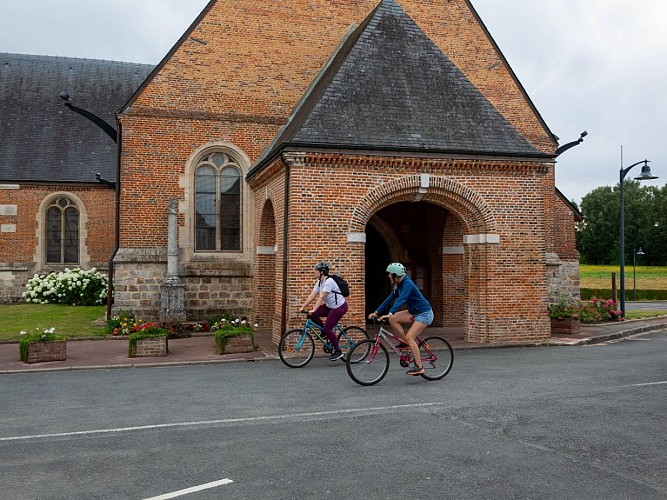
{"x":329,"y":303}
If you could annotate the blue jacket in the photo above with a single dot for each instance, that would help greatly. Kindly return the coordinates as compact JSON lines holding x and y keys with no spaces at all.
{"x":406,"y":292}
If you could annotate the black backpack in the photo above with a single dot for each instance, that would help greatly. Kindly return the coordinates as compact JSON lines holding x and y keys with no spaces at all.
{"x":342,"y":284}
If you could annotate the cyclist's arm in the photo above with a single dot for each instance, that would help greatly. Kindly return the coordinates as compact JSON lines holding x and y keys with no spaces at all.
{"x":319,"y":301}
{"x":385,"y":305}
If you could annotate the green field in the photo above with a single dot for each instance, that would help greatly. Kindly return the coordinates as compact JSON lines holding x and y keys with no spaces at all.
{"x":648,"y":278}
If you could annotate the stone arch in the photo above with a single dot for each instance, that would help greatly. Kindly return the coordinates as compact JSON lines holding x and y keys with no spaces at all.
{"x":475,"y":226}
{"x":468,"y":205}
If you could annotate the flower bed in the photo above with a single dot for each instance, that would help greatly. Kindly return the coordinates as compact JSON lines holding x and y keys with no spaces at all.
{"x":42,"y":346}
{"x":148,"y":340}
{"x":234,"y":336}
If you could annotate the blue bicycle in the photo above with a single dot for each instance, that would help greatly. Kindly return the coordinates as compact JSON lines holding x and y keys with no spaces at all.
{"x":297,"y":347}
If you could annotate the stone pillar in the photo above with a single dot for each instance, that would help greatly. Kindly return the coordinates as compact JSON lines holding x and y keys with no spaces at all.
{"x":172,"y":292}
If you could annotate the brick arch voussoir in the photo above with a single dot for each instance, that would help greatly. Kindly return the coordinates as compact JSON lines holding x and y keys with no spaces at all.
{"x":468,"y":205}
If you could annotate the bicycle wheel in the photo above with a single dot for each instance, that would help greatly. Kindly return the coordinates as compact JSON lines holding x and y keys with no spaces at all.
{"x":349,"y":337}
{"x":367,"y":362}
{"x":296,"y":348}
{"x":437,"y":358}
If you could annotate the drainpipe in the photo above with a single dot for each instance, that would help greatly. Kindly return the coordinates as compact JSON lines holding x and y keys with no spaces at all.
{"x":119,"y":143}
{"x":283,"y":313}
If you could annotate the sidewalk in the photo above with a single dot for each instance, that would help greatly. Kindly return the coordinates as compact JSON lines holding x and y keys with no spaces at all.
{"x":108,"y":353}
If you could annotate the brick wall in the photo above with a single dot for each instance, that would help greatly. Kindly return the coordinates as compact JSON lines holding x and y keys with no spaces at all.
{"x":22,"y":246}
{"x":505,"y":282}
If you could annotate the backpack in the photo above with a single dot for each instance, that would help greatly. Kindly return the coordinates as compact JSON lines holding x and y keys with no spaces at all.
{"x":342,"y":284}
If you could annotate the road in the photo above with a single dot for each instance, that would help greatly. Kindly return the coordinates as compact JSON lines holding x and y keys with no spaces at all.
{"x":520,"y":423}
{"x":658,"y":305}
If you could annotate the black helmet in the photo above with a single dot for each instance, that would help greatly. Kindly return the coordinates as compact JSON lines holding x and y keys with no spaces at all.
{"x":322,"y":266}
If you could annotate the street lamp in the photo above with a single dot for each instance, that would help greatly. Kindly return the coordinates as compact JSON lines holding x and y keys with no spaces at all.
{"x":634,"y":272}
{"x":646,"y":175}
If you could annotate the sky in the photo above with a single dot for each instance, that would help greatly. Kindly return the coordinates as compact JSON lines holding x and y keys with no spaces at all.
{"x":587,"y":65}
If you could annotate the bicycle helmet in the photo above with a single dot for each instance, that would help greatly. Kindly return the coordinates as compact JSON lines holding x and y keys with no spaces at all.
{"x":322,"y":266}
{"x":396,"y":268}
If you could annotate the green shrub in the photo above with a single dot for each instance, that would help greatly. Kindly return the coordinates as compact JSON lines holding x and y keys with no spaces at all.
{"x":76,"y":288}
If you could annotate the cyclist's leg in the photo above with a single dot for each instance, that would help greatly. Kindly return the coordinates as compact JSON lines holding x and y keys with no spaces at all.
{"x":323,"y":312}
{"x":397,"y":321}
{"x":416,"y":329}
{"x":333,"y":318}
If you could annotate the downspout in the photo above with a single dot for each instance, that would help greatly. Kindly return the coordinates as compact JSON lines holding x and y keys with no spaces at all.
{"x":110,"y":288}
{"x":283,"y":314}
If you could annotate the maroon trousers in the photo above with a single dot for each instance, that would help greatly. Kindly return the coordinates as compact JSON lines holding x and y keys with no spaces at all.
{"x":333,"y":316}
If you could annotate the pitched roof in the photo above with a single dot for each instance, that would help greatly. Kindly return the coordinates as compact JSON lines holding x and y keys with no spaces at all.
{"x":40,"y":139}
{"x":389,"y":87}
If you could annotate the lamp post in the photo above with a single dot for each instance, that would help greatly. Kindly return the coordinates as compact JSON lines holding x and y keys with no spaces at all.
{"x":644,"y":176}
{"x":634,"y":272}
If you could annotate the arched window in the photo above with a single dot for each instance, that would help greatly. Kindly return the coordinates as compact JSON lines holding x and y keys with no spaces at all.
{"x":218,"y":203}
{"x":62,"y":232}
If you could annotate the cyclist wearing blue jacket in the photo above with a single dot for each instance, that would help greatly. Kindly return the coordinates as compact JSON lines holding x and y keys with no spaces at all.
{"x":419,"y":311}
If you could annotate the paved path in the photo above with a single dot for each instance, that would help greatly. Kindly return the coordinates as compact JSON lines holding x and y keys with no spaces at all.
{"x":108,"y":352}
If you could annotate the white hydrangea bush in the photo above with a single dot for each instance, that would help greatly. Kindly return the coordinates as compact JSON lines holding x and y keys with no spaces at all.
{"x":73,"y":287}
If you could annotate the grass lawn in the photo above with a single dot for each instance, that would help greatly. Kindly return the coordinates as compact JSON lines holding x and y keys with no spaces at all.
{"x":648,"y":277}
{"x":643,"y":314}
{"x":71,"y":321}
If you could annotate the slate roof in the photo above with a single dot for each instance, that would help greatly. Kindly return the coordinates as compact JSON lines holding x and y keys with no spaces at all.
{"x":390,"y":87}
{"x":40,"y":139}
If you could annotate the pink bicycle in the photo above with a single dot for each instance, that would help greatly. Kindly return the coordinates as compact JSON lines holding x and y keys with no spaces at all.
{"x":368,"y":361}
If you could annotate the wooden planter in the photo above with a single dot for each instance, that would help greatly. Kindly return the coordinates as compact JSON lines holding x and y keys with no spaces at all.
{"x":566,"y":326}
{"x":156,"y":346}
{"x":235,"y":345}
{"x":39,"y":352}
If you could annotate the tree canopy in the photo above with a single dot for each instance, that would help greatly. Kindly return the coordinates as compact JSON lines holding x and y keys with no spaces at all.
{"x":598,"y":236}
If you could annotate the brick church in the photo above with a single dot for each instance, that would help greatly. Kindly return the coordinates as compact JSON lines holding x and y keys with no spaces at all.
{"x":278,"y":134}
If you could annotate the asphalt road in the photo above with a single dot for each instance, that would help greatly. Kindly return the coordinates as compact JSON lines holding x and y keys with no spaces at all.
{"x":552,"y":422}
{"x":659,"y":305}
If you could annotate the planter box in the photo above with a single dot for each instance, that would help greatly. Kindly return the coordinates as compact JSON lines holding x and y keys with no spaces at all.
{"x":567,"y":326}
{"x":39,"y":352}
{"x":238,"y":344}
{"x":157,"y":346}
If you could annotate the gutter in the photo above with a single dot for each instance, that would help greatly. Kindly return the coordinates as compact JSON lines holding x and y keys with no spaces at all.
{"x":110,"y":288}
{"x":283,"y":312}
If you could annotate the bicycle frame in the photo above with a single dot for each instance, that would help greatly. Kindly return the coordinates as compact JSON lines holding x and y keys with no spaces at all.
{"x":318,"y":332}
{"x":392,"y":339}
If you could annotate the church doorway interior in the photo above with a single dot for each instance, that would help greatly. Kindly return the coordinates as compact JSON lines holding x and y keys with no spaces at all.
{"x":410,"y":233}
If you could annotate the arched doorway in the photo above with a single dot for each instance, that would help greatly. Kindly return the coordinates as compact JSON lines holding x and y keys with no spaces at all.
{"x":411,"y":233}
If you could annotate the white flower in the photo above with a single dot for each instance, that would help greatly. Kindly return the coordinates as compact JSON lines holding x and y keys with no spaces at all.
{"x":255,"y":325}
{"x":22,"y":332}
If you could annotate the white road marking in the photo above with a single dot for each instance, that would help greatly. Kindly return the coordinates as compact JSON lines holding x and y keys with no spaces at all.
{"x":194,"y":489}
{"x":297,"y":417}
{"x":645,"y":384}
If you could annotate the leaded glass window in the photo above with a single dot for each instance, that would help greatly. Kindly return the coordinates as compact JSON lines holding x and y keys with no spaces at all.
{"x":62,"y":232}
{"x":218,"y":203}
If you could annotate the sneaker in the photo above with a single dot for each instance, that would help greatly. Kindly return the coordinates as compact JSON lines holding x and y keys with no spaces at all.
{"x":336,"y":355}
{"x":402,"y":345}
{"x":415,"y":370}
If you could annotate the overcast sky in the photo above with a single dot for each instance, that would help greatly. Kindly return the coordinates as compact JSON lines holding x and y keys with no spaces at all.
{"x":594,"y":65}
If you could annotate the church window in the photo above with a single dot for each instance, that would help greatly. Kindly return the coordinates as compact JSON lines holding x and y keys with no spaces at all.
{"x":218,"y":203}
{"x":62,"y":232}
